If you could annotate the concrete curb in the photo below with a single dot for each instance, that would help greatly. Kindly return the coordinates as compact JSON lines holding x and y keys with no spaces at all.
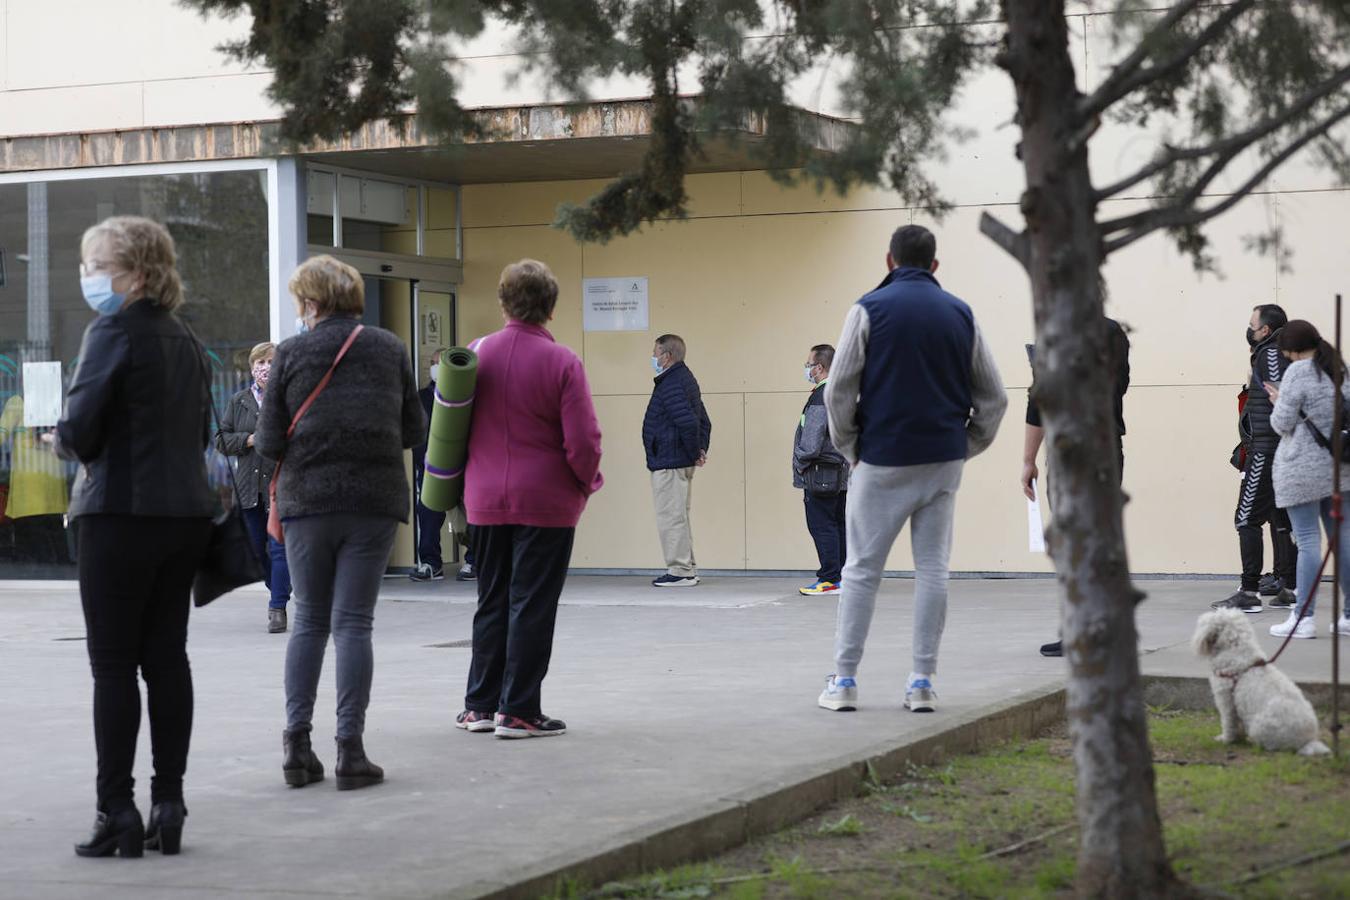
{"x":1193,"y":693}
{"x":730,"y":821}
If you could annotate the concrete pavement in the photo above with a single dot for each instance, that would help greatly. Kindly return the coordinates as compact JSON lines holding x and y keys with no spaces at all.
{"x":673,"y":699}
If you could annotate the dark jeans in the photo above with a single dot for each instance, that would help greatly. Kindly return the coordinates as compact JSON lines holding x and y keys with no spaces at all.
{"x":276,"y":573}
{"x":825,"y":521}
{"x":429,"y":525}
{"x":521,"y":570}
{"x":1255,"y":508}
{"x":338,"y":561}
{"x":135,"y":579}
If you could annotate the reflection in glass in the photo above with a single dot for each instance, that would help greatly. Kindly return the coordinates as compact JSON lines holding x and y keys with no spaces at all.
{"x":218,"y":221}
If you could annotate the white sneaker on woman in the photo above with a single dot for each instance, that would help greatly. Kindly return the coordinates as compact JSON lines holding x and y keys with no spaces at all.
{"x":1306,"y":629}
{"x":1341,"y":626}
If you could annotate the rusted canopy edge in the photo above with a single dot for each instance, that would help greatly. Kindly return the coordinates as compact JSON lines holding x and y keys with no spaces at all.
{"x":245,"y":140}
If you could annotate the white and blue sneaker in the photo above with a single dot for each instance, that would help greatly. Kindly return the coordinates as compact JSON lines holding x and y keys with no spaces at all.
{"x":919,"y":694}
{"x":840,"y":694}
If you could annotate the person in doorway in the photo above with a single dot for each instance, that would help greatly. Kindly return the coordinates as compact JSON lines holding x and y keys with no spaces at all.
{"x":37,"y":501}
{"x":534,"y":461}
{"x":1034,"y":435}
{"x":822,"y":474}
{"x":676,"y":433}
{"x":914,"y":393}
{"x":1256,"y":497}
{"x":1303,"y":415}
{"x":341,"y":493}
{"x":253,"y":475}
{"x":138,"y":420}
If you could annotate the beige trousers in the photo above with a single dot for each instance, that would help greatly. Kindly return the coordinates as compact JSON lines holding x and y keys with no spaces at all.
{"x":672,"y":490}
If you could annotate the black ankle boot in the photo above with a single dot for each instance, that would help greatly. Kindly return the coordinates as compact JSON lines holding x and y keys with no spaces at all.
{"x":300,"y":765}
{"x":165,"y":829}
{"x":115,"y":832}
{"x":353,"y":769}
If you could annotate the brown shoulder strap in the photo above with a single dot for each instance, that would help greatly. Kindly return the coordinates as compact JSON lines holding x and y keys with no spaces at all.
{"x":323,"y":382}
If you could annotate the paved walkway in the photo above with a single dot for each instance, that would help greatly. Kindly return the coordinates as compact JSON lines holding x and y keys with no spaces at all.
{"x":672,"y":699}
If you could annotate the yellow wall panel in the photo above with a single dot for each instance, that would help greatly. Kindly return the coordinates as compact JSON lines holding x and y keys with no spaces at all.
{"x":776,"y":535}
{"x":491,"y":250}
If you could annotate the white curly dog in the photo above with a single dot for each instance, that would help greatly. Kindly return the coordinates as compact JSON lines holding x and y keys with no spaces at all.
{"x":1253,"y":698}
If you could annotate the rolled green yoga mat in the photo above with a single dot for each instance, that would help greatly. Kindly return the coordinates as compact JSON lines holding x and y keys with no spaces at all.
{"x":448,"y":442}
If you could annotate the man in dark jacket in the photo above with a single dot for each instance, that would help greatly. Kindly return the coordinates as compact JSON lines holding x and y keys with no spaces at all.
{"x":1256,"y":497}
{"x":814,"y":453}
{"x":675,"y":435}
{"x":430,"y":561}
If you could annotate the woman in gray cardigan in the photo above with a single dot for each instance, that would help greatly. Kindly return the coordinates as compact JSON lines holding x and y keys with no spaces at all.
{"x":1305,"y":403}
{"x":341,"y":492}
{"x":253,"y":474}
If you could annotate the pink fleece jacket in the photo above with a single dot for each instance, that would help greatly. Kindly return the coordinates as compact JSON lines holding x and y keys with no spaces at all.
{"x":534,"y":445}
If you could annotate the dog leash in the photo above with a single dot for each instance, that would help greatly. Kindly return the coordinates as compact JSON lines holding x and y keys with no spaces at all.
{"x":1312,"y":591}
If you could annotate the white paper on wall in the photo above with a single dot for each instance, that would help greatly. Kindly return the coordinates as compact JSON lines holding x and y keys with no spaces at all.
{"x":1035,"y":524}
{"x":41,"y":394}
{"x":614,"y":304}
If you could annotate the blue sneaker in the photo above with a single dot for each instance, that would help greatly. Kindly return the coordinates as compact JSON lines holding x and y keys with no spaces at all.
{"x":919,"y":694}
{"x":840,"y":694}
{"x":820,"y":587}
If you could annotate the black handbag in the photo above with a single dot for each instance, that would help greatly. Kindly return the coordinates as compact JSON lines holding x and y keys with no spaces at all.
{"x":1324,"y":442}
{"x":824,"y":479}
{"x":230,"y":561}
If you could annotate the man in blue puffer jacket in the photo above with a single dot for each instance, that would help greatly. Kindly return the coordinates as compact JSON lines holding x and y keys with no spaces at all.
{"x":675,"y":434}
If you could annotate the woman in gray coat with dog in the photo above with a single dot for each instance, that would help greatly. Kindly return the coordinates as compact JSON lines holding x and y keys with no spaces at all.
{"x":1305,"y":404}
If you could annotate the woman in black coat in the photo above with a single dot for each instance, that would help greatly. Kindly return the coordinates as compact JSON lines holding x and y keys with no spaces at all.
{"x":138,"y":419}
{"x":253,"y":475}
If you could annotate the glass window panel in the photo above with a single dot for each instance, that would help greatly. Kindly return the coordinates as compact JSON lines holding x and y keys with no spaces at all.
{"x":219,"y":223}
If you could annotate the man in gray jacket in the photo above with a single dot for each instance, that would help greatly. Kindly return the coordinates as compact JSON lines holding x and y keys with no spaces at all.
{"x":914,"y":393}
{"x":822,"y":474}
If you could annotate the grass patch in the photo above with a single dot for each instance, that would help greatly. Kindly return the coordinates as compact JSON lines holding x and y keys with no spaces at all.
{"x":1001,"y":824}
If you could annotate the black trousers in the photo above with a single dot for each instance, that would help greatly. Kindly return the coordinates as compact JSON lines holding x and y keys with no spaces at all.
{"x":521,"y":570}
{"x":825,"y":521}
{"x":135,"y":580}
{"x":1256,"y":508}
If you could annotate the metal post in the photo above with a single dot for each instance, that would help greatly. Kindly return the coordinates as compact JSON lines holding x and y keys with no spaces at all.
{"x":1337,"y":523}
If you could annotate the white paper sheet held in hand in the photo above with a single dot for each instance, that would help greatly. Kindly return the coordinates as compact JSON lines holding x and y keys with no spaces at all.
{"x":1035,"y":525}
{"x":41,"y":394}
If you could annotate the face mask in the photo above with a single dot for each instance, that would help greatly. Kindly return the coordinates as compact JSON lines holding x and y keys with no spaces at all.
{"x":656,"y":365}
{"x":1251,"y":337}
{"x":809,"y":376}
{"x":433,"y":373}
{"x":261,"y":372}
{"x":99,"y":294}
{"x":301,"y":326}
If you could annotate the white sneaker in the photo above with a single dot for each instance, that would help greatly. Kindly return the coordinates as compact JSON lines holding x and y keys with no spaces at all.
{"x":1341,"y":626}
{"x":1306,"y":629}
{"x":919,"y":694}
{"x":840,"y":694}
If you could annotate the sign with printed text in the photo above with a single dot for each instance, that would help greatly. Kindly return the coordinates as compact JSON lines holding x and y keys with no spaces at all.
{"x":41,"y":394}
{"x":614,"y":304}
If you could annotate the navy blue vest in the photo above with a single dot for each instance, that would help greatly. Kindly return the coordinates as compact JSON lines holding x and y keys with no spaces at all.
{"x":915,"y":396}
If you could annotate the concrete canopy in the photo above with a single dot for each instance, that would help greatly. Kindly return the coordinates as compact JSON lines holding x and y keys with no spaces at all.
{"x":520,"y":143}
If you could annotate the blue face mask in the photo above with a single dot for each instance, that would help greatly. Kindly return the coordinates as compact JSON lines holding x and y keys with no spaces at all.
{"x":301,"y":326}
{"x":656,"y":365}
{"x":99,"y":294}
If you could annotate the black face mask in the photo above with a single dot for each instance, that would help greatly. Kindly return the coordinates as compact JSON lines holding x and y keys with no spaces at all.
{"x":1251,"y":337}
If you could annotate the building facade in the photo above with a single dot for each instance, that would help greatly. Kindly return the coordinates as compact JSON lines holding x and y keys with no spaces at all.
{"x":753,"y":277}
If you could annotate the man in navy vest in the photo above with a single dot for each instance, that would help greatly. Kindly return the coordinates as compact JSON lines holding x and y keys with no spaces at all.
{"x":913,"y":394}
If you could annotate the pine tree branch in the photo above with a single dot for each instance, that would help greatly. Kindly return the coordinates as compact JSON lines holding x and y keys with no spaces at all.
{"x":1179,"y":214}
{"x":1230,"y":146}
{"x":1015,"y":243}
{"x":1130,"y":76}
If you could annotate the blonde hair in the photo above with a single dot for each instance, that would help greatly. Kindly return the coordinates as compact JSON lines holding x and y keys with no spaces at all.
{"x":334,"y":287}
{"x":143,"y":246}
{"x":528,"y":291}
{"x":260,"y":352}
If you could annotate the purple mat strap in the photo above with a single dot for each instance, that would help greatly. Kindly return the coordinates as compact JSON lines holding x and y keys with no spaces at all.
{"x":443,"y":473}
{"x":451,"y":403}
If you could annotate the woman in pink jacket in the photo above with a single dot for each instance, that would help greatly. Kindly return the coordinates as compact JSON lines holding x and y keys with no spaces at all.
{"x":534,"y":459}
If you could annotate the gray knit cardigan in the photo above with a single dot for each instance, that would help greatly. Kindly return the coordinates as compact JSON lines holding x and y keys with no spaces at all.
{"x":1302,"y":467}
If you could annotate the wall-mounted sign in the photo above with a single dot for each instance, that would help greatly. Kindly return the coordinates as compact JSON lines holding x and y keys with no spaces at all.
{"x":614,"y":304}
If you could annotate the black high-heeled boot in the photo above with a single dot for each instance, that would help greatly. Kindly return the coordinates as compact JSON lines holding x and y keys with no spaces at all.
{"x":300,"y":765}
{"x":353,"y":769}
{"x":121,"y":832}
{"x":164,"y":832}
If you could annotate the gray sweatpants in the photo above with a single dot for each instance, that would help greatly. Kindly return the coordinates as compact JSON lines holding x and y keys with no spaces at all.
{"x":337,"y":562}
{"x":880,"y":500}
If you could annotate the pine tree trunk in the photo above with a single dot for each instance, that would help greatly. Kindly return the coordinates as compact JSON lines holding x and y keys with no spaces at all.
{"x":1121,"y":851}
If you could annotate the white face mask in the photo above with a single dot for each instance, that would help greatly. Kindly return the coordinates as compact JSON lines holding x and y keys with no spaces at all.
{"x":807,"y":372}
{"x":656,"y":365}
